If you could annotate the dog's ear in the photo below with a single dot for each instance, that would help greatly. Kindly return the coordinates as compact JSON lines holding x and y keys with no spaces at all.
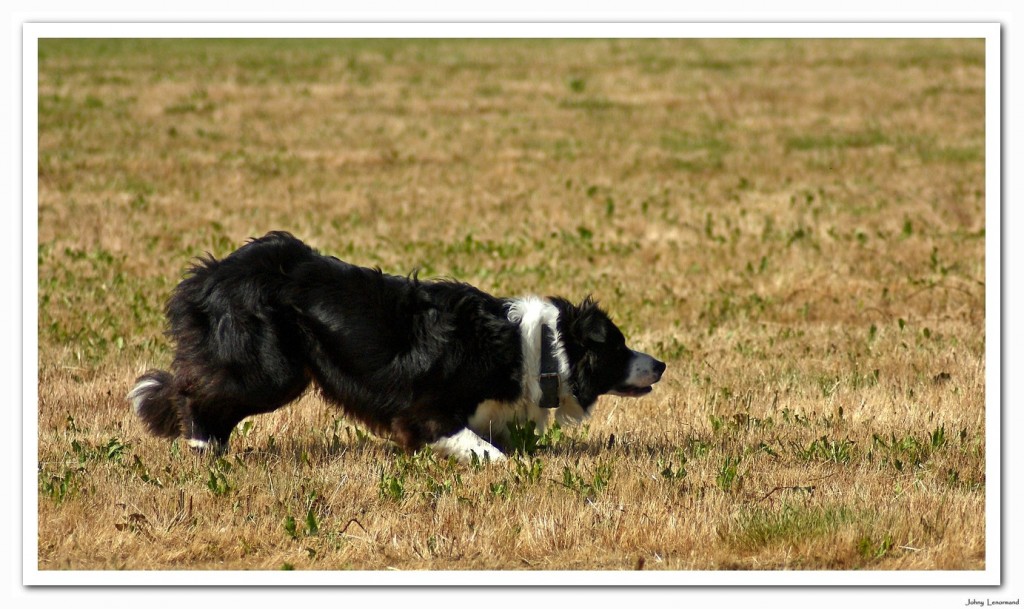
{"x":590,"y":321}
{"x":584,"y":322}
{"x":587,"y":306}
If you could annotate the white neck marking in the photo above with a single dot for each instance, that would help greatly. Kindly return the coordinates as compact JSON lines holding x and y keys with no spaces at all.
{"x":531,"y":313}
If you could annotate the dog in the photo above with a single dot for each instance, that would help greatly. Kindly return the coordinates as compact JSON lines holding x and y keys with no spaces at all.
{"x":426,"y":363}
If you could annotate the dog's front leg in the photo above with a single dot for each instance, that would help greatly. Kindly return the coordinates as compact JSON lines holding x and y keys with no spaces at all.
{"x":464,"y":444}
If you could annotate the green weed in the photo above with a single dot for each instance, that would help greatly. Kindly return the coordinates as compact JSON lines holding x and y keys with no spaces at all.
{"x":391,"y":486}
{"x":825,"y":449}
{"x":728,"y":474}
{"x":217,"y":480}
{"x":909,"y":451}
{"x":669,"y":470}
{"x":870,"y":549}
{"x":524,"y":440}
{"x":587,"y":483}
{"x":61,"y":487}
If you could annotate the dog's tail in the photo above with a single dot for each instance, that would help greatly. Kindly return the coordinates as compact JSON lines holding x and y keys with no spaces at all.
{"x":154,"y":401}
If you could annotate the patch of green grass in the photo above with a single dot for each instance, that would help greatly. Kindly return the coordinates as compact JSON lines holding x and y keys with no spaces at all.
{"x":197,"y":102}
{"x":698,"y":164}
{"x":567,"y":149}
{"x":88,"y":300}
{"x":676,"y":141}
{"x":64,"y":112}
{"x":420,"y":475}
{"x":952,"y":154}
{"x":909,"y":452}
{"x":577,"y":84}
{"x":720,"y":65}
{"x":726,"y":305}
{"x":268,"y":165}
{"x":594,"y":104}
{"x":757,"y":527}
{"x":837,"y":141}
{"x":656,"y":64}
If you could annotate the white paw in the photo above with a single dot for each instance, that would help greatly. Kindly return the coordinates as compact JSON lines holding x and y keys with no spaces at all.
{"x":464,"y":445}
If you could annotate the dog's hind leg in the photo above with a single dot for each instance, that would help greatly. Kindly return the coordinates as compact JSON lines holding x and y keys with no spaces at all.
{"x":464,"y":444}
{"x":209,"y":415}
{"x":204,"y":427}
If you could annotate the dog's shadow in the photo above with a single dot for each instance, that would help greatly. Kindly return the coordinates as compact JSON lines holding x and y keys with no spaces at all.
{"x":324,"y":451}
{"x":604,"y":446}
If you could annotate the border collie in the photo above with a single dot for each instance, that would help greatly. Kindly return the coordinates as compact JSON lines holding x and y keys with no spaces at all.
{"x":426,"y":363}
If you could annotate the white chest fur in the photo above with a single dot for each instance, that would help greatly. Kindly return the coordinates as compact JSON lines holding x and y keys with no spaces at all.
{"x":491,"y":418}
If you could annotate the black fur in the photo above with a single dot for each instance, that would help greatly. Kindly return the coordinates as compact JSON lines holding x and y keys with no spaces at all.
{"x":410,"y":359}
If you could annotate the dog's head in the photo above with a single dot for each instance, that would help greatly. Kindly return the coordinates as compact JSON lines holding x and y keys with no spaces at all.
{"x":599,"y":360}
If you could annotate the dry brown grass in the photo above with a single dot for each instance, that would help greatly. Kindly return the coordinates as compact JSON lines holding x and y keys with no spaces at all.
{"x":797,"y":227}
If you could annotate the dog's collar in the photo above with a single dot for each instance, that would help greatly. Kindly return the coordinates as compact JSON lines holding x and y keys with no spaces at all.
{"x":549,"y":379}
{"x":545,"y":364}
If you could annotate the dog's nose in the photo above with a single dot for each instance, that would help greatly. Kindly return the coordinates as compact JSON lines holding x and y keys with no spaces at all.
{"x":659,"y":367}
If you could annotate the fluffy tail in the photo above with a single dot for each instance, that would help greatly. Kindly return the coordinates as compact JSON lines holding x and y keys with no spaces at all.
{"x":154,"y":402}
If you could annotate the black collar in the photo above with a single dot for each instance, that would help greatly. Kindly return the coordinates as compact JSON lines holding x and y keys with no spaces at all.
{"x":549,"y":379}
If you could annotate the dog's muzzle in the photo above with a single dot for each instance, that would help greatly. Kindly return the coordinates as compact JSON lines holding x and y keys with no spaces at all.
{"x":642,"y":372}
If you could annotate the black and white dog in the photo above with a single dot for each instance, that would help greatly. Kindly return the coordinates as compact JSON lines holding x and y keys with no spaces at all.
{"x":435,"y":363}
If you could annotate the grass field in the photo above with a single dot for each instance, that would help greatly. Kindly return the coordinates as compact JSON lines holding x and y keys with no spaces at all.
{"x":796,"y":226}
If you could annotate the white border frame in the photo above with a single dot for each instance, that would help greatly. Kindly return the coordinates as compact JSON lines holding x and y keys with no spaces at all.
{"x":991,"y":32}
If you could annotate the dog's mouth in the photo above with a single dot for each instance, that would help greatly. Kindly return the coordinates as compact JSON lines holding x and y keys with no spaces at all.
{"x":629,"y":391}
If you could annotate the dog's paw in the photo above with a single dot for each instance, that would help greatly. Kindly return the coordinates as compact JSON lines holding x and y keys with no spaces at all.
{"x":466,"y":447}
